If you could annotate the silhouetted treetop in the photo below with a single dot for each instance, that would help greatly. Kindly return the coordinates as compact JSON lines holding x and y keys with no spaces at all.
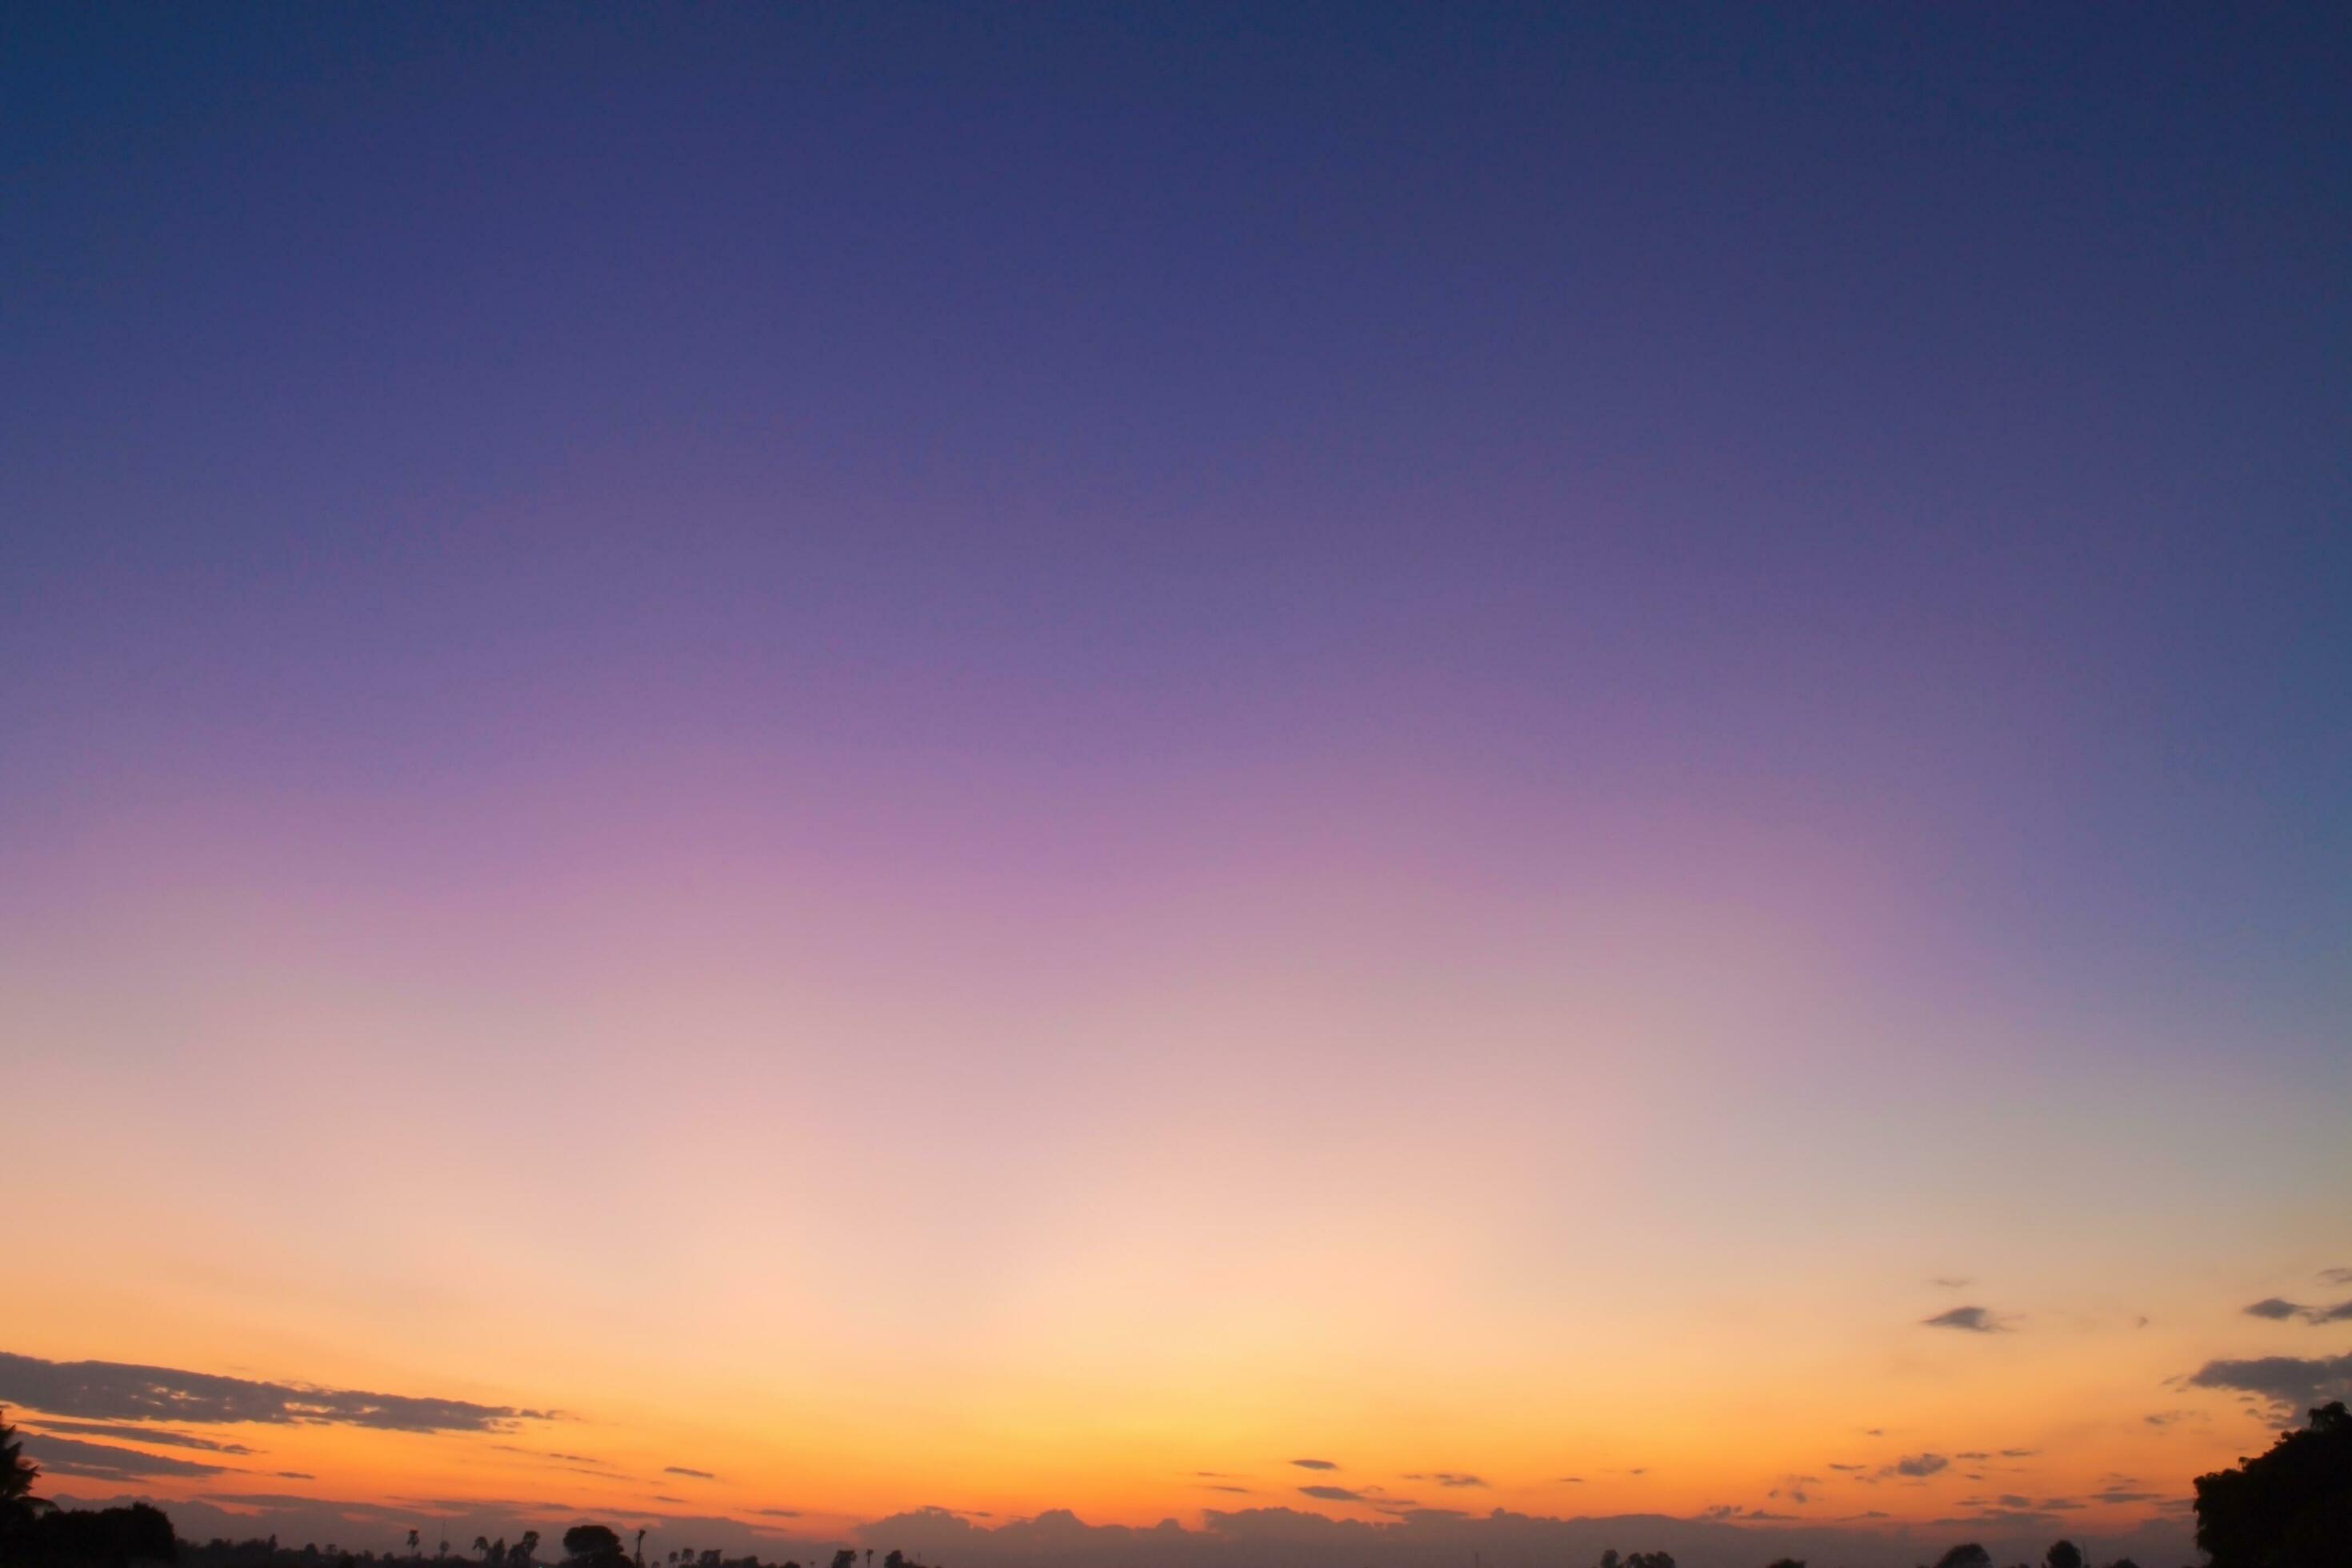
{"x":18,"y":1474}
{"x":594,"y":1546}
{"x":2285,"y":1509}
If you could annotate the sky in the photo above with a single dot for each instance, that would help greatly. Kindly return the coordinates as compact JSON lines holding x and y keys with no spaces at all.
{"x":762,"y":766}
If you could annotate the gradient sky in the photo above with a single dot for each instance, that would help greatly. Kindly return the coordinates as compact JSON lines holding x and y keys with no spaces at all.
{"x":981,"y":757}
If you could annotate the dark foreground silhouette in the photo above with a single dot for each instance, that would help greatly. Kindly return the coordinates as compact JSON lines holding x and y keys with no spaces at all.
{"x":2285,"y":1509}
{"x":2289,"y":1508}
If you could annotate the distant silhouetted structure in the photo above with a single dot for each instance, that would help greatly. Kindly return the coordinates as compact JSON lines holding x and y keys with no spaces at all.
{"x":1968,"y":1554}
{"x":2291,"y":1508}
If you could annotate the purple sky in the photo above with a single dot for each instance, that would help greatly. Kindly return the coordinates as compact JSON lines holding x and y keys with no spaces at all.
{"x":1180,"y":614}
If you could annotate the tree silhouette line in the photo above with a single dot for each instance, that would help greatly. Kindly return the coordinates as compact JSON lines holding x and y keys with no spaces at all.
{"x":2288,"y":1507}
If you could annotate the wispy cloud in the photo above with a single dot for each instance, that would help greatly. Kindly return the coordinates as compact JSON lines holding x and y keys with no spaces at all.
{"x":121,"y":1391}
{"x":1968,"y":1320}
{"x":1315,"y":1464}
{"x":1333,"y":1494}
{"x":2277,"y":1308}
{"x":73,"y":1456}
{"x":157,"y":1435}
{"x":682,"y":1470}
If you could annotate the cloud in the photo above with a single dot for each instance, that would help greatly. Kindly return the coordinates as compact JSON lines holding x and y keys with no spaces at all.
{"x":296,"y":1475}
{"x":2288,"y":1384}
{"x":568,"y":1458}
{"x":682,"y":1470}
{"x":1838,"y":1467}
{"x":1969,"y":1320}
{"x":777,"y":1512}
{"x":1448,"y":1478}
{"x":2335,"y":1276}
{"x":1571,"y":1480}
{"x":120,"y":1391}
{"x":2019,"y":1453}
{"x":1949,"y":1282}
{"x":1332,"y":1494}
{"x":157,"y":1435}
{"x":1917,"y":1465}
{"x":1225,"y":1487}
{"x":1315,"y":1464}
{"x":2277,"y":1308}
{"x":104,"y":1461}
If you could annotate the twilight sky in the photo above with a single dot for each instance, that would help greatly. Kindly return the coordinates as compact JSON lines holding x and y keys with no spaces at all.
{"x":845,"y":757}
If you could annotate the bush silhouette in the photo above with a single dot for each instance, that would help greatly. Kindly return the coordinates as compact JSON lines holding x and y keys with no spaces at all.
{"x":594,"y":1546}
{"x":2287,"y":1508}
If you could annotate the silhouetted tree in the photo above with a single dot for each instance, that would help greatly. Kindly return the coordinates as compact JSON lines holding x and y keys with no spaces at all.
{"x":525,"y":1550}
{"x":2287,"y":1507}
{"x":2062,"y":1554}
{"x":594,"y":1546}
{"x":1968,"y":1554}
{"x":1786,"y":1563}
{"x":18,"y":1474}
{"x":896,"y":1559}
{"x":138,"y":1534}
{"x":1651,"y":1560}
{"x":846,"y":1558}
{"x":412,"y":1543}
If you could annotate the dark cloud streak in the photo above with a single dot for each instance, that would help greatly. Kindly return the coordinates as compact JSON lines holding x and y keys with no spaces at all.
{"x":121,"y":1390}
